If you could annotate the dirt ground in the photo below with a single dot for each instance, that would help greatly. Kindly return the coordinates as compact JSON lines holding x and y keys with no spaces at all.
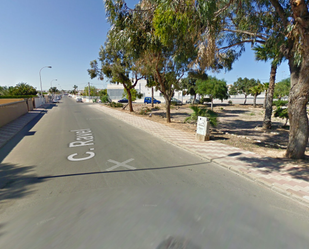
{"x":239,"y":126}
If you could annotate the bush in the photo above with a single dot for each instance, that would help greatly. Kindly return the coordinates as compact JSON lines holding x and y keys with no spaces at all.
{"x":282,"y":113}
{"x":114,"y":104}
{"x":279,"y":103}
{"x":230,"y":102}
{"x":203,"y":112}
{"x":144,"y":111}
{"x":105,"y":99}
{"x":156,"y":108}
{"x":203,"y":100}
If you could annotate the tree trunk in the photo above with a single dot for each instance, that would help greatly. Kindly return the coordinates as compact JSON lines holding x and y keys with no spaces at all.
{"x":245,"y":99}
{"x":130,"y":99}
{"x":264,"y":104}
{"x":254,"y":101}
{"x":168,"y":108}
{"x":151,"y":96}
{"x":298,"y":99}
{"x":194,"y":98}
{"x":269,"y":98}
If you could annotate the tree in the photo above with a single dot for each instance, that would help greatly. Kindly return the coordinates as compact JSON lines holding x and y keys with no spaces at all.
{"x":22,"y":89}
{"x":282,"y":88}
{"x":242,"y":86}
{"x":4,"y":91}
{"x":255,"y":91}
{"x":121,"y":50}
{"x":233,"y":90}
{"x":265,"y":88}
{"x":102,"y":92}
{"x":214,"y":88}
{"x":93,"y":91}
{"x":75,"y":87}
{"x":188,"y":86}
{"x":53,"y":90}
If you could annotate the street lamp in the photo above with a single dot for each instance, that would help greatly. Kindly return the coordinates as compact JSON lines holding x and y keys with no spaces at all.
{"x":41,"y":79}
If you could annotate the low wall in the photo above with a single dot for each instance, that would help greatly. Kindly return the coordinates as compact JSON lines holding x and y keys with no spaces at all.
{"x":11,"y":111}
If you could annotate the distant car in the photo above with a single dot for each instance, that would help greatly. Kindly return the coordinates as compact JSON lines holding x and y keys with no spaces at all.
{"x":79,"y":100}
{"x":190,"y":101}
{"x":124,"y":100}
{"x":55,"y":101}
{"x":176,"y":101}
{"x":147,"y":100}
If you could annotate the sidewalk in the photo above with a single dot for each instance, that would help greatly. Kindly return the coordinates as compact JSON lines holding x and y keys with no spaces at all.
{"x":11,"y":129}
{"x":263,"y":170}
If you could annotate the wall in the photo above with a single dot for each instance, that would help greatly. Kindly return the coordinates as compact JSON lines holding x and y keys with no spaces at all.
{"x":11,"y":111}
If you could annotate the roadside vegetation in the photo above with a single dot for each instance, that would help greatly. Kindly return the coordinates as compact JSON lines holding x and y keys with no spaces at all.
{"x":167,"y":41}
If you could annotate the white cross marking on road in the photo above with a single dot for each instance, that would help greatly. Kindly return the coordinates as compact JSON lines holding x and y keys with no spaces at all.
{"x":119,"y":164}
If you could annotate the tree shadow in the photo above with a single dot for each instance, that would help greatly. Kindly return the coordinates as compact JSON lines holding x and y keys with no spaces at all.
{"x":268,"y":165}
{"x":176,"y":242}
{"x":15,"y":181}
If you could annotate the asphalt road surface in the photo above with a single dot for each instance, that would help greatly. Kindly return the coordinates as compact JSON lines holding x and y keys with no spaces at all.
{"x":78,"y":178}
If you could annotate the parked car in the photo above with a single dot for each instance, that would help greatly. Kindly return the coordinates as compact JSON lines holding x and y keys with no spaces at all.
{"x":190,"y":101}
{"x":147,"y":100}
{"x":55,"y":100}
{"x":176,"y":101}
{"x":79,"y":100}
{"x":124,"y":100}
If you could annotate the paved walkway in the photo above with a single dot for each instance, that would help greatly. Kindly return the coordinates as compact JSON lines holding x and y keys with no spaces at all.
{"x":270,"y":172}
{"x":287,"y":180}
{"x":11,"y":129}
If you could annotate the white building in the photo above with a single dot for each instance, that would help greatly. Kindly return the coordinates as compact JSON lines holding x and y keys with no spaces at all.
{"x":116,"y":91}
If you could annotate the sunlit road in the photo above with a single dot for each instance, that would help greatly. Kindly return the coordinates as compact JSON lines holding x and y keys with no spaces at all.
{"x":77,"y":178}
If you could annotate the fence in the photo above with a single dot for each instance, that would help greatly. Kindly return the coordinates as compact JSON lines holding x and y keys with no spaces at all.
{"x":9,"y":111}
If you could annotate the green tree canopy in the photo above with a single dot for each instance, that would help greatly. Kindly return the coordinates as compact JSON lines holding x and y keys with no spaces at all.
{"x":242,"y":86}
{"x":93,"y":91}
{"x":282,"y":88}
{"x":214,"y":88}
{"x":22,"y":89}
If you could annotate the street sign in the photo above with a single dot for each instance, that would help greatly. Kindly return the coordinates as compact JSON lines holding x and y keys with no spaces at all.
{"x":201,"y":125}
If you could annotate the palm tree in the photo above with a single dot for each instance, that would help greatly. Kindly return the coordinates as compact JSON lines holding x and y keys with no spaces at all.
{"x":75,"y":87}
{"x":263,"y":53}
{"x":255,"y":91}
{"x":265,"y":88}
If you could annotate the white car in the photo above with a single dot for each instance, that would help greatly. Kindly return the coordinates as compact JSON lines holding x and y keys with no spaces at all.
{"x":79,"y":100}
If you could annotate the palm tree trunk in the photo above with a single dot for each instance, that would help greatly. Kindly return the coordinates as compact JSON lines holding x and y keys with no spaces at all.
{"x":269,"y":99}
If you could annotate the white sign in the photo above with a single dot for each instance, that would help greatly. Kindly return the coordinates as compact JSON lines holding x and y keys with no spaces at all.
{"x":201,"y":125}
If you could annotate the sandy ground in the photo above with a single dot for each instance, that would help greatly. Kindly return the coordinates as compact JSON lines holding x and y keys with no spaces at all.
{"x":239,"y":126}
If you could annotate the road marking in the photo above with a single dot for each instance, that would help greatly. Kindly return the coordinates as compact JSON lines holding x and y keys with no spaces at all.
{"x":119,"y":164}
{"x":44,"y":221}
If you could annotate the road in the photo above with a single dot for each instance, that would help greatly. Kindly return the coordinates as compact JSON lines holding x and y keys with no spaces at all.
{"x":78,"y":178}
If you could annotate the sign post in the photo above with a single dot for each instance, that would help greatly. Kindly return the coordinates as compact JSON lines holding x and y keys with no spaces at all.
{"x":202,"y":129}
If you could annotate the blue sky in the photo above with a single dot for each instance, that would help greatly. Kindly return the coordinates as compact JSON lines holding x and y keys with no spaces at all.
{"x":67,"y":35}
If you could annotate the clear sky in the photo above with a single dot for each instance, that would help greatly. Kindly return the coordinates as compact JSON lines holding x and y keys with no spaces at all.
{"x":67,"y":35}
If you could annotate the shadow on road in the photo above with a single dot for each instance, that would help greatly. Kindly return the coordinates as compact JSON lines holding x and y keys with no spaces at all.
{"x":122,"y":171}
{"x":15,"y":181}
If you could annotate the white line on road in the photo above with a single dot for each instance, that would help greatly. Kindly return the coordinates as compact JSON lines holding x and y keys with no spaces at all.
{"x":119,"y":164}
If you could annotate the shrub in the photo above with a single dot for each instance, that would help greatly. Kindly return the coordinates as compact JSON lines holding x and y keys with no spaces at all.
{"x":105,"y":99}
{"x":157,"y":108}
{"x":203,"y":112}
{"x":114,"y":104}
{"x":282,"y":113}
{"x":279,"y":103}
{"x":207,"y":100}
{"x":144,"y":111}
{"x":230,"y":102}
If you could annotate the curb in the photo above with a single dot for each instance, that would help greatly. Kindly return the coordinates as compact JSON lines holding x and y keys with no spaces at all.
{"x":299,"y":196}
